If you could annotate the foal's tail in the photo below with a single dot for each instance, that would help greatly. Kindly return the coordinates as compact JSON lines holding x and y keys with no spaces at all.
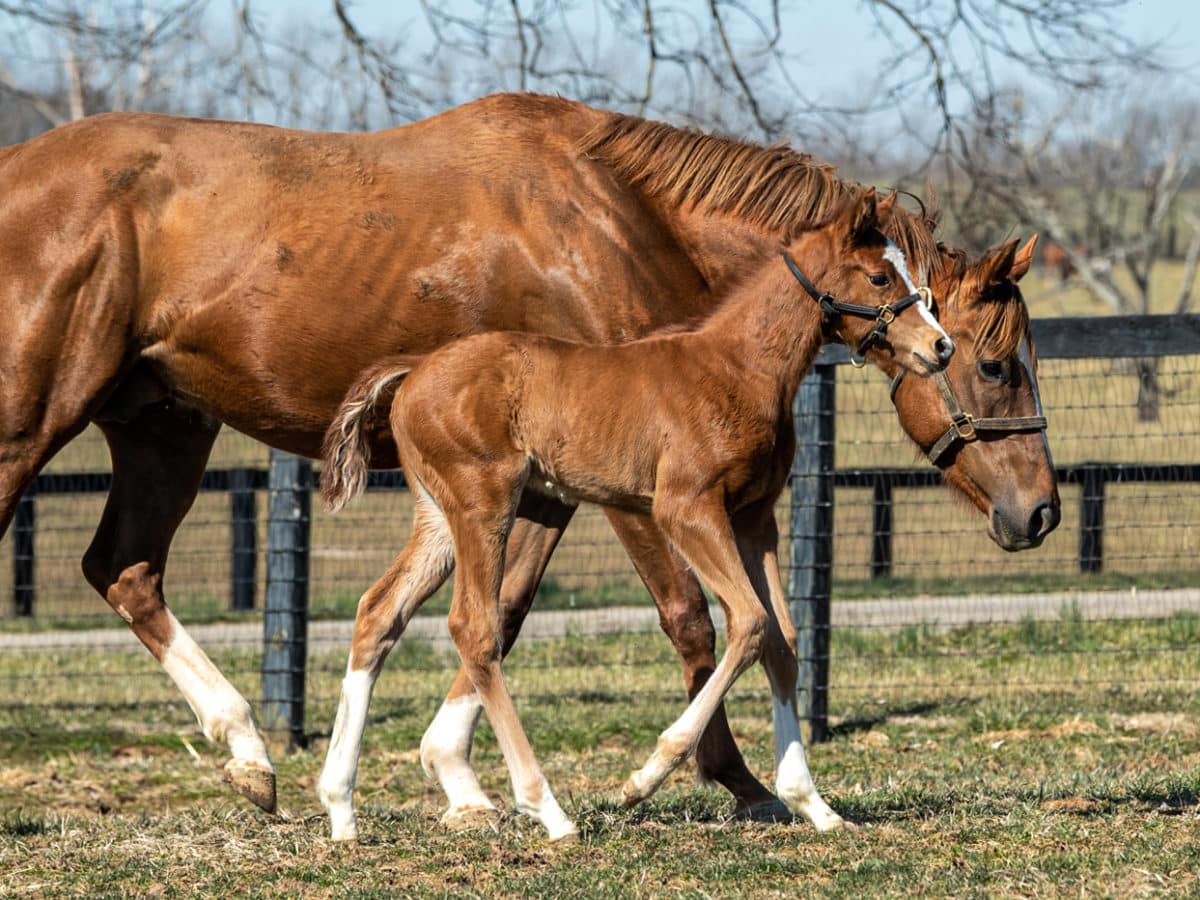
{"x":346,"y":453}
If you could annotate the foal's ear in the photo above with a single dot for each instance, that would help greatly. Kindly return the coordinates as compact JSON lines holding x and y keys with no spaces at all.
{"x":1022,"y":260}
{"x":863,"y":214}
{"x":996,"y":264}
{"x":886,"y":206}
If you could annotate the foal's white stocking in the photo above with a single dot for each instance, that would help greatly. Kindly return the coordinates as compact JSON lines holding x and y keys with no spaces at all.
{"x":446,"y":757}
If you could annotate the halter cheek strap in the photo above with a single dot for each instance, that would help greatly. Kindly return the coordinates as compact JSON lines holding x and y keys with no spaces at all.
{"x":883,"y":315}
{"x":964,"y":426}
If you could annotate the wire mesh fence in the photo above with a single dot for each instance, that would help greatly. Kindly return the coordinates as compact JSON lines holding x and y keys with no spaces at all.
{"x":929,"y":593}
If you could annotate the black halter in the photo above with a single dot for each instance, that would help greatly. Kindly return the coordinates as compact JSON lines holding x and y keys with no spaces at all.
{"x":964,"y":426}
{"x":883,"y":315}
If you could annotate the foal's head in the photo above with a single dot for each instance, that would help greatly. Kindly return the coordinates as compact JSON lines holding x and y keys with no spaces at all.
{"x":852,"y":264}
{"x":980,"y":421}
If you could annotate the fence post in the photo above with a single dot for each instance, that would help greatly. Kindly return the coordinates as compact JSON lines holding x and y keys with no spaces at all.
{"x":1091,"y":520}
{"x":810,"y":574}
{"x":881,"y":527}
{"x":24,"y":526}
{"x":285,"y":620}
{"x":243,"y":520}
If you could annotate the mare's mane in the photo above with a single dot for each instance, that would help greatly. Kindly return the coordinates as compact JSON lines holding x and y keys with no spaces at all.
{"x":774,"y":188}
{"x":1003,"y":316}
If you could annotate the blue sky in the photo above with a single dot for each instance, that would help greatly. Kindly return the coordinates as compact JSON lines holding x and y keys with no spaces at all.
{"x":832,"y":40}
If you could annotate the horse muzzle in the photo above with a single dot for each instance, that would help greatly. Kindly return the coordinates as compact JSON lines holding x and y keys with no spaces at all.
{"x":1012,"y":535}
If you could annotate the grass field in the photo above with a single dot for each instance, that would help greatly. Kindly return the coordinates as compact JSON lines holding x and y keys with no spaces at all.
{"x":1044,"y":758}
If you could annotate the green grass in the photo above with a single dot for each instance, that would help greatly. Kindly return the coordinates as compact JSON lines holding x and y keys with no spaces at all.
{"x":1049,"y":758}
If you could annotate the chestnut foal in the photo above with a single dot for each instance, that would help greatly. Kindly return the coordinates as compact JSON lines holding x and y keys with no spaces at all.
{"x":691,"y":427}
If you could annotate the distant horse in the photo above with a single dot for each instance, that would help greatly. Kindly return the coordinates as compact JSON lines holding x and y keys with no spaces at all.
{"x":166,"y":275}
{"x":975,"y":419}
{"x":693,"y":428}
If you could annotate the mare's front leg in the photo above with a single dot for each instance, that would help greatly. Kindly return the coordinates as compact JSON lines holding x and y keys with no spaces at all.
{"x":383,"y":613}
{"x":700,"y":530}
{"x":758,"y":543}
{"x":446,"y":744}
{"x":158,"y":457}
{"x":683,"y":615}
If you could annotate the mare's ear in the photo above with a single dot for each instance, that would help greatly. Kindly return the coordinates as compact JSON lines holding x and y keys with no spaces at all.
{"x":886,"y":206}
{"x":862,"y":215}
{"x":995,"y":265}
{"x":1022,"y":260}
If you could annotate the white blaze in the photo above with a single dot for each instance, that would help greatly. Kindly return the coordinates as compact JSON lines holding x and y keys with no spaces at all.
{"x":895,"y":256}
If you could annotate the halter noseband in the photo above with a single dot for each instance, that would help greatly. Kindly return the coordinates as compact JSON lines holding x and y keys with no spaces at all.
{"x":964,"y":426}
{"x":883,"y":315}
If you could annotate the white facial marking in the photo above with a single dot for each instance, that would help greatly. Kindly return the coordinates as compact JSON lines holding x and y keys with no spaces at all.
{"x":895,"y":256}
{"x":124,"y":614}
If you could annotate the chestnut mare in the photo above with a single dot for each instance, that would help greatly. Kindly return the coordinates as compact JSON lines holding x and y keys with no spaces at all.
{"x":693,"y":429}
{"x":165,"y":275}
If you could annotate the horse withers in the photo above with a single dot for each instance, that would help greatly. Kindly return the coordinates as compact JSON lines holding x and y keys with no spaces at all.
{"x":691,"y":427}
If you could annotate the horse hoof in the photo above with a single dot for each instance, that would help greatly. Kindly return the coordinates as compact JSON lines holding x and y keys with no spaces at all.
{"x":252,"y":780}
{"x":632,"y":793}
{"x":566,"y":839}
{"x":472,"y":818}
{"x":769,"y":811}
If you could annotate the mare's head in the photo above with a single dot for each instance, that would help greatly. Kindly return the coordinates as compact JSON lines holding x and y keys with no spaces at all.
{"x":861,"y":280}
{"x":980,"y":421}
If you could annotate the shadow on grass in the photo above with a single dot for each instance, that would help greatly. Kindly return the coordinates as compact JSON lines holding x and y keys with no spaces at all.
{"x":859,"y":723}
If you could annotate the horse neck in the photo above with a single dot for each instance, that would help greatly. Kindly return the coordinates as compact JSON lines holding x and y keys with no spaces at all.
{"x":720,"y":246}
{"x":767,"y":327}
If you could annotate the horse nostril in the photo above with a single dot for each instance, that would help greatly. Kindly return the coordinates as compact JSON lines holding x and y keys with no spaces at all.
{"x":944,"y":348}
{"x":1045,"y":518}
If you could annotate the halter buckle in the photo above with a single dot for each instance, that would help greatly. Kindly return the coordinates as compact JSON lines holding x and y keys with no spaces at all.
{"x":886,"y":315}
{"x":964,"y":426}
{"x":926,"y":296}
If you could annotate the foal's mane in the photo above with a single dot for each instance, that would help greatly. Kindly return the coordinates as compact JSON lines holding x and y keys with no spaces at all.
{"x":774,"y":187}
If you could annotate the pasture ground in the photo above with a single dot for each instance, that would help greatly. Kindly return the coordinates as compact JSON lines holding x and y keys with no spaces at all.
{"x":1055,"y":759}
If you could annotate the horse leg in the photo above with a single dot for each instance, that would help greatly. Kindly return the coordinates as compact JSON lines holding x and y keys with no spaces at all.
{"x":700,"y":530}
{"x":683,"y":615}
{"x":758,"y":543}
{"x":383,"y":613}
{"x":480,"y":529}
{"x":158,"y":457}
{"x":446,"y":744}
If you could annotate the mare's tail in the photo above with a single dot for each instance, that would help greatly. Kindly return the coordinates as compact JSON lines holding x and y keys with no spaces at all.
{"x":346,"y":453}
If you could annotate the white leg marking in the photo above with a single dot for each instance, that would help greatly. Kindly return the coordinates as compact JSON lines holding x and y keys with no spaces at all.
{"x":223,"y":713}
{"x":793,"y":782}
{"x":547,"y":811}
{"x":336,"y":787}
{"x":446,"y":754}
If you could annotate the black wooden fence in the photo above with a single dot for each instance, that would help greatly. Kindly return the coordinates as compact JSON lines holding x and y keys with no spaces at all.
{"x":289,"y":482}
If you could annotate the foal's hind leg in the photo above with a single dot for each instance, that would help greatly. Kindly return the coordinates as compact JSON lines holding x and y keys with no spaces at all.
{"x":481,"y":526}
{"x":158,"y":457}
{"x":383,"y":613}
{"x":758,"y":542}
{"x":446,"y":744}
{"x":700,"y":530}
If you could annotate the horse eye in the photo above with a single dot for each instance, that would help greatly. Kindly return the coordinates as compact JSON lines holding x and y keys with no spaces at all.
{"x":879,"y":279}
{"x":991,"y":369}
